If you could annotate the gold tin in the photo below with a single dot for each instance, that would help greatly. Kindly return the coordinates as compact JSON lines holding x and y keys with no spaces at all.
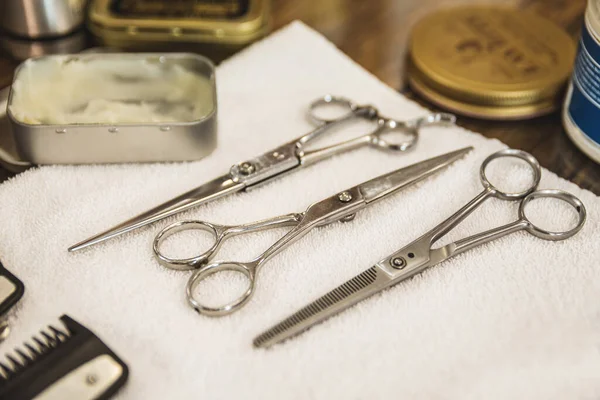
{"x":226,"y":25}
{"x":490,"y":62}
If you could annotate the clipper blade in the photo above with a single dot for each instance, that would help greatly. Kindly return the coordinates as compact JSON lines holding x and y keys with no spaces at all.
{"x":46,"y":341}
{"x":62,"y":362}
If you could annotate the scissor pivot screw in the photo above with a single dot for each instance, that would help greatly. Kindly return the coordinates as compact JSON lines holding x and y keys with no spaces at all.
{"x":345,"y":197}
{"x":246,"y":168}
{"x":278,"y":155}
{"x":398,"y":262}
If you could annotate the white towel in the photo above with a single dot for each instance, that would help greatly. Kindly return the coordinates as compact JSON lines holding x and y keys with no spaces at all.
{"x":518,"y":318}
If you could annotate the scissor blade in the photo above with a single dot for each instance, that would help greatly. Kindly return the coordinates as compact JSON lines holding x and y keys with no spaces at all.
{"x":212,"y":190}
{"x":355,"y":290}
{"x":380,"y":187}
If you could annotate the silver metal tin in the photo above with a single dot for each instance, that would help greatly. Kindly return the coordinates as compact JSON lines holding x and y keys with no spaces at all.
{"x":121,"y":143}
{"x":41,"y":18}
{"x":9,"y":158}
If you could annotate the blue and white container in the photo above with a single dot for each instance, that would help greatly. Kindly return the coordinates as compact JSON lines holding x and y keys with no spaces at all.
{"x":581,"y":112}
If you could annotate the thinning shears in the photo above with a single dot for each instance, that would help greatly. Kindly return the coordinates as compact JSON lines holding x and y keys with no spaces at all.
{"x":419,"y":255}
{"x":340,"y":207}
{"x":284,"y":159}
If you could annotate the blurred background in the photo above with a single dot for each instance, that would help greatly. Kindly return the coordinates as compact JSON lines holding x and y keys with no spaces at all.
{"x":374,"y":33}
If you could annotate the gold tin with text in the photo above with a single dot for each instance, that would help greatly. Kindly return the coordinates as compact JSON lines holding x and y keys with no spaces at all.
{"x":490,"y":62}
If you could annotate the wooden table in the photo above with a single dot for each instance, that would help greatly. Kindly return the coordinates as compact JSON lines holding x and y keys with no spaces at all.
{"x":375,"y":33}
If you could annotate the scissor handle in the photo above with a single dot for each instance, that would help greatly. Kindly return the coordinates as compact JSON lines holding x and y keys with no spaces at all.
{"x":559,"y":195}
{"x":184,"y":264}
{"x":248,"y":270}
{"x":350,"y":108}
{"x":523,"y":223}
{"x":380,"y":137}
{"x":387,"y":126}
{"x":528,"y":158}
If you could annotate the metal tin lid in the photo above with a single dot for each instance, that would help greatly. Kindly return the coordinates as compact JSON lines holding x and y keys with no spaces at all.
{"x":490,"y":62}
{"x":130,"y":22}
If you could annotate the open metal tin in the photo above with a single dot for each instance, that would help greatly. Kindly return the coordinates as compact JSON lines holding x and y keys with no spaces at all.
{"x":217,"y":27}
{"x":72,"y":141}
{"x":9,"y":157}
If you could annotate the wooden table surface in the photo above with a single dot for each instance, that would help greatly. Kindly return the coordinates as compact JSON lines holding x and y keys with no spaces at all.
{"x":375,"y":33}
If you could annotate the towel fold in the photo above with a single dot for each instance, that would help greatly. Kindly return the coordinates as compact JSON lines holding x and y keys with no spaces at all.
{"x":518,"y":318}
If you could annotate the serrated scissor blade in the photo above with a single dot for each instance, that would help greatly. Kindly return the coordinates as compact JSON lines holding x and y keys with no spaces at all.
{"x":353,"y":291}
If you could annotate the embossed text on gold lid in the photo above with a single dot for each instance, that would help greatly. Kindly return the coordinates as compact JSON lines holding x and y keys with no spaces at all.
{"x":489,"y":56}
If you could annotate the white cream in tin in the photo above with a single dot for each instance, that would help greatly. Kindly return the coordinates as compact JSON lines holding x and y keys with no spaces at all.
{"x":69,"y":90}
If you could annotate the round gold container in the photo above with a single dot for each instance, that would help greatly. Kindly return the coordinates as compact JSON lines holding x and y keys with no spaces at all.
{"x":490,"y":62}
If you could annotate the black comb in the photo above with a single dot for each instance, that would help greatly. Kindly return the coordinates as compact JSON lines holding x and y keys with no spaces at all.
{"x":66,"y":363}
{"x":11,"y":290}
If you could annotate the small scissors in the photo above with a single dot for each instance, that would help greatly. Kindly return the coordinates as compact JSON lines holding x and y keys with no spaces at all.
{"x":419,"y":255}
{"x":286,"y":158}
{"x":340,"y":207}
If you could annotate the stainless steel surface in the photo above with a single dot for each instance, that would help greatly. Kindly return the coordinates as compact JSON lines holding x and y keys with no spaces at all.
{"x":41,"y":18}
{"x":9,"y":158}
{"x":22,"y":49}
{"x":219,"y":233}
{"x":356,"y":289}
{"x":335,"y":208}
{"x":86,"y":382}
{"x":419,"y":255}
{"x":284,"y":159}
{"x":212,"y":190}
{"x":117,"y":143}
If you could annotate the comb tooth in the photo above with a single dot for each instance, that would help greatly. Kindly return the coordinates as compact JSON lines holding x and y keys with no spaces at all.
{"x":17,"y":366}
{"x":43,"y":347}
{"x":34,"y":352}
{"x":5,"y":370}
{"x":60,"y":335}
{"x":25,"y":358}
{"x":50,"y":340}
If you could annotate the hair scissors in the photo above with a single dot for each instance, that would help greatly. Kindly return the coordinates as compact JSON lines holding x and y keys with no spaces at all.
{"x":419,"y":255}
{"x":340,"y":207}
{"x":286,"y":158}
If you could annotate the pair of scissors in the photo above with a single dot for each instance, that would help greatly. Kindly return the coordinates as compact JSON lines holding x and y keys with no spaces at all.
{"x":419,"y":255}
{"x":286,"y":158}
{"x":340,"y":207}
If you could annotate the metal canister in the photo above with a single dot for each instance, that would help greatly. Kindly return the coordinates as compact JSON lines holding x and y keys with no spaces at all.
{"x":37,"y":19}
{"x":581,"y":111}
{"x":492,"y":62}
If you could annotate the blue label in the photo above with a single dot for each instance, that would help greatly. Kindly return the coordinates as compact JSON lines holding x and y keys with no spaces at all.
{"x":584,"y":107}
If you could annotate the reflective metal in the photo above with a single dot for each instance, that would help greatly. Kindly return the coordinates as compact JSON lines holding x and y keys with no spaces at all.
{"x":419,"y":255}
{"x":335,"y":208}
{"x":41,"y":18}
{"x":9,"y":158}
{"x":88,"y":381}
{"x":91,"y":143}
{"x":22,"y":49}
{"x":284,"y":159}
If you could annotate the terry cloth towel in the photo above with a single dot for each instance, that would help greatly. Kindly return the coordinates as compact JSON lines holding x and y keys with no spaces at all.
{"x":518,"y":318}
